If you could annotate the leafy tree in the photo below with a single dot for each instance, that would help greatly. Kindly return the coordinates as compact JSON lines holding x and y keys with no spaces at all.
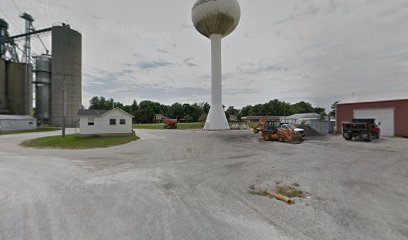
{"x":320,"y":110}
{"x":332,"y":113}
{"x":258,"y":110}
{"x":176,"y":111}
{"x":101,"y":103}
{"x":196,"y":113}
{"x":188,"y":109}
{"x":164,"y":109}
{"x":188,"y":118}
{"x":246,"y":111}
{"x":145,"y":115}
{"x":302,"y":107}
{"x":202,"y":118}
{"x":231,"y":111}
{"x":144,"y":111}
{"x":134,"y":107}
{"x":323,"y":116}
{"x":206,"y":108}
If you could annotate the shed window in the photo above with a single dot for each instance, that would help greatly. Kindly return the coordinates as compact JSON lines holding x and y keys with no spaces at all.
{"x":91,"y":121}
{"x":112,"y":122}
{"x":122,"y":121}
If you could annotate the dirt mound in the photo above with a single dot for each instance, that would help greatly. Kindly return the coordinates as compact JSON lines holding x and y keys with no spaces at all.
{"x":310,"y":132}
{"x":286,"y":187}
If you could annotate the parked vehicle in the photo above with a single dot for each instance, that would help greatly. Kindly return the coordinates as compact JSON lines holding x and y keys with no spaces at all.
{"x":270,"y":129}
{"x":170,"y":123}
{"x":361,"y":129}
{"x":301,"y":131}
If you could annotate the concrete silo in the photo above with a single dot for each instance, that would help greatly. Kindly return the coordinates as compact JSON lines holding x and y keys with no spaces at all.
{"x":15,"y":89}
{"x":66,"y":85}
{"x":19,"y":90}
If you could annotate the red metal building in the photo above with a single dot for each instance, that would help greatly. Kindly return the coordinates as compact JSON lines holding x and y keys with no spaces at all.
{"x":390,"y":113}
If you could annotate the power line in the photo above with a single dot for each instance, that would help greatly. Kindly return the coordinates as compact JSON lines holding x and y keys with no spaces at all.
{"x":15,"y":5}
{"x":46,"y":49}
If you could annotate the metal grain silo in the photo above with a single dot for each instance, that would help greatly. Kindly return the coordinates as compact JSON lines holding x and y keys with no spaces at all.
{"x":42,"y":87}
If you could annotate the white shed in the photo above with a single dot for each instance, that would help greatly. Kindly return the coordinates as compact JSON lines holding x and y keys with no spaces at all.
{"x":17,"y":123}
{"x":115,"y":122}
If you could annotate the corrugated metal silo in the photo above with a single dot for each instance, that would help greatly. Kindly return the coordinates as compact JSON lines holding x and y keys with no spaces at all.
{"x":42,"y":90}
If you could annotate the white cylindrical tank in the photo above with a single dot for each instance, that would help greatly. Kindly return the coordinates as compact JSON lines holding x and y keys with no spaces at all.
{"x":216,"y":19}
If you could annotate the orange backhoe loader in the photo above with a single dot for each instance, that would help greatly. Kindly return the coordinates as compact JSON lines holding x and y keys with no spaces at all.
{"x":270,"y":129}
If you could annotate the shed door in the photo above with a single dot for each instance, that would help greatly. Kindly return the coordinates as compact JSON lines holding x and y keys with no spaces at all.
{"x":385,"y":116}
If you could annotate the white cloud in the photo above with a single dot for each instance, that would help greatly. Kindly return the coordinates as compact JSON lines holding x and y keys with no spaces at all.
{"x":314,"y":50}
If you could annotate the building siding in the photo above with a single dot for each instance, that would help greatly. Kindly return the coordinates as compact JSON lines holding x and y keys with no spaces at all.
{"x":345,"y":114}
{"x":18,"y":124}
{"x":101,"y":124}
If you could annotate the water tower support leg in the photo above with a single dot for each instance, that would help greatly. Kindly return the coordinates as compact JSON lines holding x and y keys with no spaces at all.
{"x":216,"y":119}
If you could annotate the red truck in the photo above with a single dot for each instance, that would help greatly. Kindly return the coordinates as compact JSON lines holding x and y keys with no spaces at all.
{"x":170,"y":123}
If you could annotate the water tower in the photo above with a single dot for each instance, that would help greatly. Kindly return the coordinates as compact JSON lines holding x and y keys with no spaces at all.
{"x":216,"y":19}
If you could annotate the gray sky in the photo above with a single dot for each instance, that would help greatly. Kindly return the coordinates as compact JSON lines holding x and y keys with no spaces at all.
{"x":313,"y":50}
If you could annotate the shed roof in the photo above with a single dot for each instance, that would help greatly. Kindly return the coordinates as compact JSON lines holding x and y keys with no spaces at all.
{"x":377,"y":97}
{"x":304,"y":115}
{"x":91,"y":112}
{"x":95,"y":112}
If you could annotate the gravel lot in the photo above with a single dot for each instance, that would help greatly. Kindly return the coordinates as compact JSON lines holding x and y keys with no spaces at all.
{"x":193,"y":185}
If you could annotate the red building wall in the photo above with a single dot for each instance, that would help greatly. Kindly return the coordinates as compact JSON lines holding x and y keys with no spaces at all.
{"x":344,"y":113}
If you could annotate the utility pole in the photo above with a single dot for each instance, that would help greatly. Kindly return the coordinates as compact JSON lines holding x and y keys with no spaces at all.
{"x":64,"y":107}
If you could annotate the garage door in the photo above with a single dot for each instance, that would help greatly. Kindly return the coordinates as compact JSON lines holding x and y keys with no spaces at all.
{"x":385,"y":116}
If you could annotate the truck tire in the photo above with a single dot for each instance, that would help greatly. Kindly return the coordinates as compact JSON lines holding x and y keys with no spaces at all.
{"x":369,"y":137}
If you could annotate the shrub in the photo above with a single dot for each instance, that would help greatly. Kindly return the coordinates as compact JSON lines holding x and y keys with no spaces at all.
{"x":202,"y":118}
{"x":188,"y":118}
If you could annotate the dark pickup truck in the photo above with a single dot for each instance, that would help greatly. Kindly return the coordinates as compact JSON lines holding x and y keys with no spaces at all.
{"x":361,"y":129}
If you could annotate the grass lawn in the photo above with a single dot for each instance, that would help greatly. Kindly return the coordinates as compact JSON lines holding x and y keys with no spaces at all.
{"x":197,"y":125}
{"x":41,"y":129}
{"x":74,"y":141}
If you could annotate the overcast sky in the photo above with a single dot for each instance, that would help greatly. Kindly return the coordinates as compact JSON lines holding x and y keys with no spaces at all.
{"x":294,"y":50}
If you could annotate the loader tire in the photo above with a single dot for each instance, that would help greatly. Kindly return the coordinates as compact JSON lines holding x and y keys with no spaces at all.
{"x":369,"y":137}
{"x":266,"y":136}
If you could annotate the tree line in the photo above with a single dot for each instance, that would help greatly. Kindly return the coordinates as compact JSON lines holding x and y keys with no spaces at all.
{"x":145,"y":111}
